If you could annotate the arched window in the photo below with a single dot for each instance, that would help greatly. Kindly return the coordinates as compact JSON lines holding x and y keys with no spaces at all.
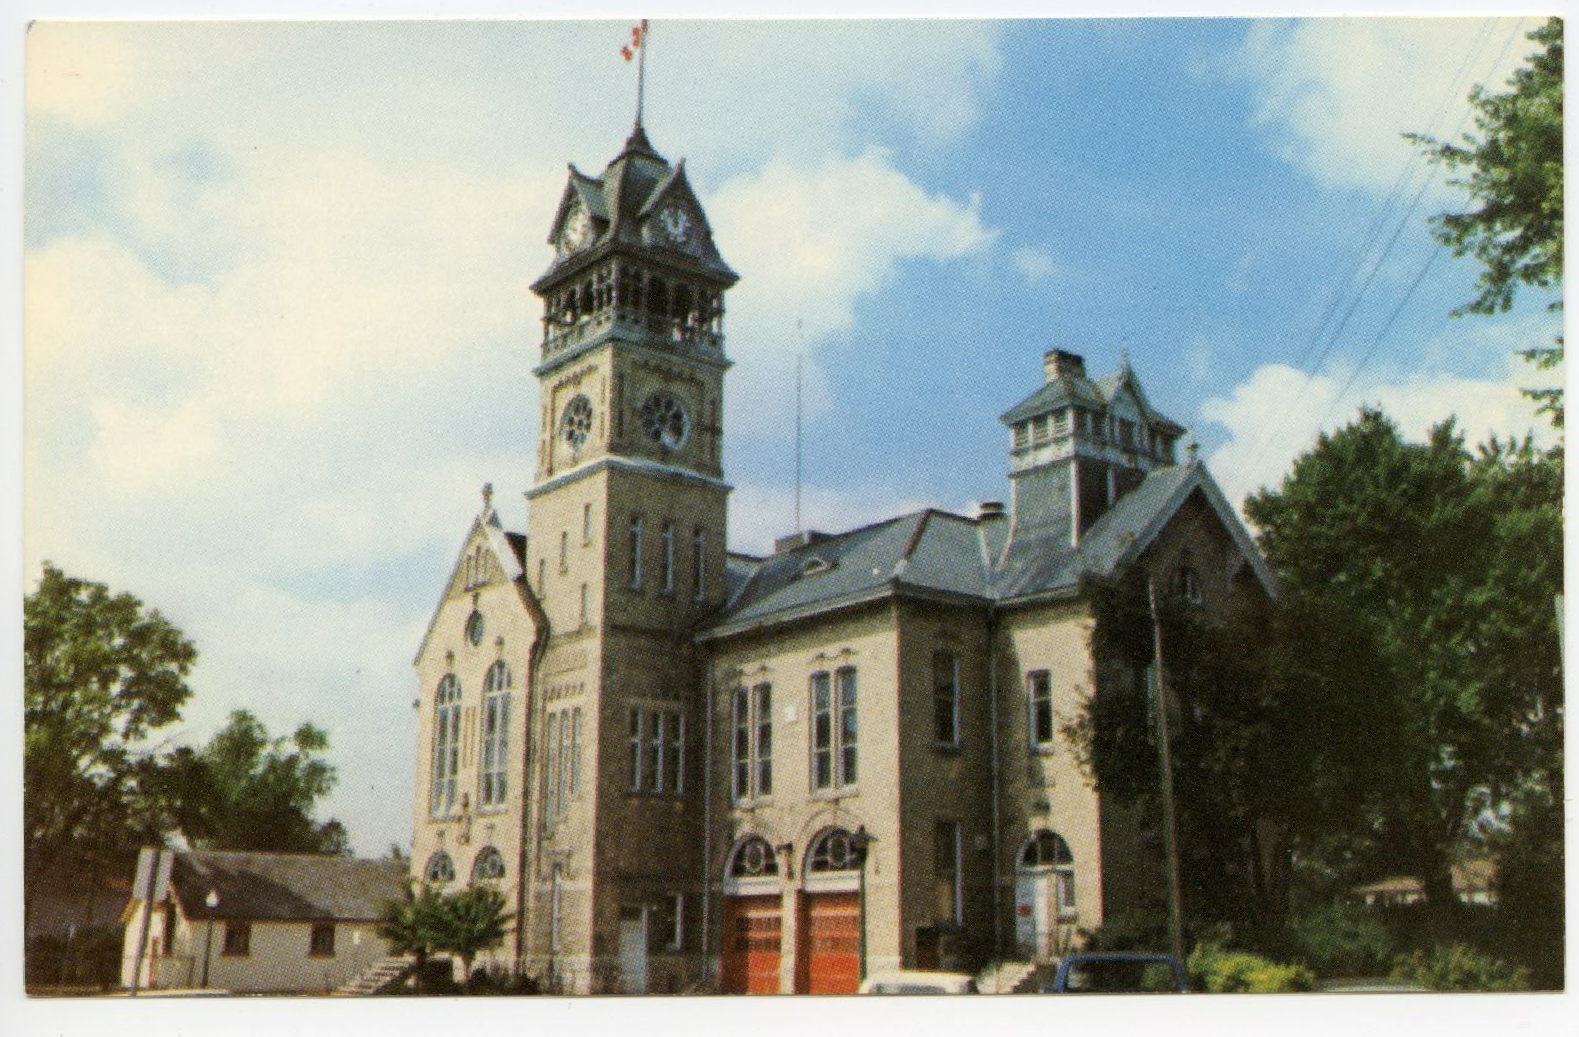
{"x":1046,"y":849}
{"x":833,"y":850}
{"x":489,"y":865}
{"x":440,"y":869}
{"x":446,"y":744}
{"x":753,"y":859}
{"x":492,"y":782}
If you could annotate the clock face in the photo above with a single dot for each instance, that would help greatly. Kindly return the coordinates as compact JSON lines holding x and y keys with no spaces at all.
{"x":577,"y":233}
{"x":576,"y":424}
{"x":663,"y":419}
{"x":676,"y":224}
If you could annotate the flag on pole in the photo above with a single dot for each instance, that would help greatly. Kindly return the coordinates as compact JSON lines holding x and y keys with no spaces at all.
{"x":638,"y":35}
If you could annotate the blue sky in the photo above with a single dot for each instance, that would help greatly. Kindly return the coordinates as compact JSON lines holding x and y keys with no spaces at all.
{"x":279,"y":333}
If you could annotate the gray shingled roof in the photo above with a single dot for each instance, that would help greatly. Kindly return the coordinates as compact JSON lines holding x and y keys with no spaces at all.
{"x":285,"y":887}
{"x":1060,"y":392}
{"x":939,"y":553}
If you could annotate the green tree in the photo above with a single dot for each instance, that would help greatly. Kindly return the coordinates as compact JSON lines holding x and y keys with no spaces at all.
{"x":467,"y":923}
{"x":1424,"y":579}
{"x":247,"y":791}
{"x":1513,"y":171}
{"x":100,"y":673}
{"x":409,"y":926}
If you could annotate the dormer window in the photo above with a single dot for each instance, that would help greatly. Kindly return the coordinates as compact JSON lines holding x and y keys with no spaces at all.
{"x":1061,"y":421}
{"x":1022,"y":435}
{"x":1040,"y":429}
{"x":1189,"y":585}
{"x":814,"y":565}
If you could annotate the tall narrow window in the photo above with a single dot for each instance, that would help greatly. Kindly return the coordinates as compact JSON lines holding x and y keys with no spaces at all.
{"x":651,"y":762}
{"x":834,"y":728}
{"x":753,"y":744}
{"x":564,"y":551}
{"x":763,"y":706}
{"x":446,"y":744}
{"x":699,"y":563}
{"x":586,"y":523}
{"x":845,"y":679}
{"x":668,"y":557}
{"x":495,"y":734}
{"x":635,"y":553}
{"x":551,"y":768}
{"x":946,"y":872}
{"x":1039,"y":686}
{"x":583,"y":604}
{"x":574,"y":784}
{"x":821,"y":731}
{"x":556,"y":910}
{"x":945,"y":697}
{"x":672,"y":780}
{"x":742,"y":743}
{"x":542,"y":577}
{"x":636,"y":747}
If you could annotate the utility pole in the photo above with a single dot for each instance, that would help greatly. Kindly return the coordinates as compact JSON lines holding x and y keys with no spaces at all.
{"x":1170,"y":832}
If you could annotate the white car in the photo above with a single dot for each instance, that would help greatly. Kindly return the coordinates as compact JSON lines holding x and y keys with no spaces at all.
{"x":913,"y":982}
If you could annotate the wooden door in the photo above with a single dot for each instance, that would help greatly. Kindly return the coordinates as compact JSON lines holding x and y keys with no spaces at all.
{"x":830,"y":944}
{"x":752,"y":944}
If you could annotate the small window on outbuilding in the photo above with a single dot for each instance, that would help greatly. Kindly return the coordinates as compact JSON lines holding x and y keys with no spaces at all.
{"x":322,"y":942}
{"x":238,"y":940}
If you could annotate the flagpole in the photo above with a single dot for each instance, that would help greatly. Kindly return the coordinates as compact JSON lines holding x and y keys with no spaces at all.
{"x":641,"y":70}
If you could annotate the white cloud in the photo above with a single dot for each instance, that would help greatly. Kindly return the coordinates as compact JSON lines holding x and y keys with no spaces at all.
{"x":817,"y":240}
{"x":1336,"y":94}
{"x":284,"y":330}
{"x":1036,"y":264}
{"x":1277,"y":413}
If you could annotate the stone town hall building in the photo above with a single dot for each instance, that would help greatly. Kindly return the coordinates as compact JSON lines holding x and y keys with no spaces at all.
{"x":669,"y":756}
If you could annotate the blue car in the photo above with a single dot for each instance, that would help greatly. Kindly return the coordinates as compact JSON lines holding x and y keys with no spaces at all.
{"x":1118,"y":974}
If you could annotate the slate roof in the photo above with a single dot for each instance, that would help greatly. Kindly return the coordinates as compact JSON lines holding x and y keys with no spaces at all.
{"x":935,"y":553}
{"x":1078,"y":389}
{"x":621,"y":199}
{"x":285,"y":887}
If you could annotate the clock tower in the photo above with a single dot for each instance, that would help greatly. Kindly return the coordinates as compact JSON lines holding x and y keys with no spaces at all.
{"x":625,"y":551}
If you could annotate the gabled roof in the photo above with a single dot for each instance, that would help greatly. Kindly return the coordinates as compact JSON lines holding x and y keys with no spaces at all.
{"x":285,"y":887}
{"x":510,"y":551}
{"x":1059,"y":392}
{"x":935,"y":553}
{"x":1124,"y":378}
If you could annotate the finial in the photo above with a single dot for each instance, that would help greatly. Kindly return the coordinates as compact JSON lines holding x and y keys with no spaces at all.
{"x":1123,"y":354}
{"x":1195,"y":451}
{"x":487,"y":496}
{"x":637,"y":50}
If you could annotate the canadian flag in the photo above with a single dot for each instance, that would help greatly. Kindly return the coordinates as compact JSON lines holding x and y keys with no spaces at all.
{"x":638,"y":34}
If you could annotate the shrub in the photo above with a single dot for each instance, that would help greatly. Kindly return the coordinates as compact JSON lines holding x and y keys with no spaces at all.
{"x":1218,"y":970}
{"x":1342,"y":939}
{"x":1458,"y":967}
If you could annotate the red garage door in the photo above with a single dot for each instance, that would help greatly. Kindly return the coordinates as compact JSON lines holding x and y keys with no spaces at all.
{"x":751,"y":945}
{"x":830,"y":958}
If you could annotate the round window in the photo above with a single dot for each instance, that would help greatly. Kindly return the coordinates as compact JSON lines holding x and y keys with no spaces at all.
{"x":663,"y":419}
{"x":474,"y":627}
{"x":576,"y":424}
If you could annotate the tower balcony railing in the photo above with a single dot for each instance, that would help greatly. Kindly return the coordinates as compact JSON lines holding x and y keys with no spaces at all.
{"x":650,"y":328}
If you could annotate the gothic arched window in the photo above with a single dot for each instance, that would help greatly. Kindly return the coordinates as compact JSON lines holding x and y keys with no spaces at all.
{"x":492,"y":782}
{"x":753,"y":859}
{"x":446,"y":744}
{"x":489,"y":865}
{"x":440,"y":869}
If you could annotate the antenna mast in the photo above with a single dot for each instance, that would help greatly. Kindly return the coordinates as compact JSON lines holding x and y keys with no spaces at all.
{"x":798,"y":356}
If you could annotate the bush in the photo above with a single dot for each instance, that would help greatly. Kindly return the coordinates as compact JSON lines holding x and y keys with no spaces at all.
{"x":1342,"y":939}
{"x":1458,"y":967}
{"x":1129,"y":931}
{"x":1218,"y":970}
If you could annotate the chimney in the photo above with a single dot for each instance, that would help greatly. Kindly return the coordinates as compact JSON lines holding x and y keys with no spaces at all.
{"x":1059,"y":363}
{"x":988,"y":510}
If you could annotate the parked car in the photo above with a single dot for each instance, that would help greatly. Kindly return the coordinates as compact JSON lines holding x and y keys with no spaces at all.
{"x":1118,"y":974}
{"x":913,"y":982}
